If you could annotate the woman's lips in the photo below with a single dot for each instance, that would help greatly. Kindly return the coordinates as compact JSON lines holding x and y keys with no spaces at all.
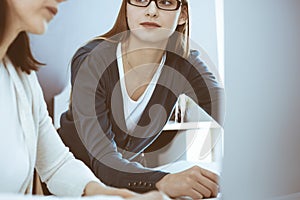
{"x":150,"y":25}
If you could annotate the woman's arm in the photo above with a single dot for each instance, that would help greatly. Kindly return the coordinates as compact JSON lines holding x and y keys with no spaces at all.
{"x":63,"y":174}
{"x":90,"y":108}
{"x":204,"y":88}
{"x":200,"y":85}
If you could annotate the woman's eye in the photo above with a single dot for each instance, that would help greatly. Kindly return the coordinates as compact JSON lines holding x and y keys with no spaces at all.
{"x":141,"y":1}
{"x":166,"y":2}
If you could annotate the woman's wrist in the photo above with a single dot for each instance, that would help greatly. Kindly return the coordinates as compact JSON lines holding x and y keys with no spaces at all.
{"x":160,"y":185}
{"x":94,"y":188}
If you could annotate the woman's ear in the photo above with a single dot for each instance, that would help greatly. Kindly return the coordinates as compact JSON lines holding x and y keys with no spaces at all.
{"x":183,"y":16}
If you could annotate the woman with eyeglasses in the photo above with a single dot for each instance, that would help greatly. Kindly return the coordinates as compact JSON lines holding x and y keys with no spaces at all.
{"x":125,"y":85}
{"x":28,"y":138}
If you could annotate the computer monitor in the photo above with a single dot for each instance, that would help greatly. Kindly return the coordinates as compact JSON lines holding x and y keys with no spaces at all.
{"x":262,"y":126}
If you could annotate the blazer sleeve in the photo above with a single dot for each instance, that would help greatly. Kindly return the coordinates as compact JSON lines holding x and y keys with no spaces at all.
{"x":90,"y":111}
{"x":57,"y":167}
{"x":203,"y":87}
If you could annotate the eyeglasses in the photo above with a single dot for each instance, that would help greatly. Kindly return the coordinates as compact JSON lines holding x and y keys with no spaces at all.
{"x":168,"y":5}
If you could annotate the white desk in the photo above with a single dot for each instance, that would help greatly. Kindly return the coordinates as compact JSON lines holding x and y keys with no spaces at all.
{"x":200,"y":138}
{"x":171,"y":125}
{"x":195,"y":141}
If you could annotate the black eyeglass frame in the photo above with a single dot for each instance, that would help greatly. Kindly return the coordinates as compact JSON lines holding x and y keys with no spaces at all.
{"x":179,"y":3}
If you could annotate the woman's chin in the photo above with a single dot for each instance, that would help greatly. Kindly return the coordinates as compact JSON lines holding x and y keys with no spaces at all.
{"x":40,"y":29}
{"x":155,"y":36}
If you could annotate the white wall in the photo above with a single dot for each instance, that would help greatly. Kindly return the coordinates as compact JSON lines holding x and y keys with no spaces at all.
{"x":203,"y":26}
{"x":207,"y":33}
{"x":262,"y":136}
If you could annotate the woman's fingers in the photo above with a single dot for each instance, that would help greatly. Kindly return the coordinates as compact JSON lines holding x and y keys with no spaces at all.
{"x":201,"y":190}
{"x":211,"y":186}
{"x":194,"y":182}
{"x":212,"y":176}
{"x":208,"y":181}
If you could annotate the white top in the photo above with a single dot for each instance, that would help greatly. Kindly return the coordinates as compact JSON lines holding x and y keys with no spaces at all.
{"x":134,"y":109}
{"x":30,"y":197}
{"x":13,"y":151}
{"x":26,"y":126}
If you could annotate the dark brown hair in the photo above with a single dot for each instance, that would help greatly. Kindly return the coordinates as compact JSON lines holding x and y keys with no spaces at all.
{"x":121,"y":26}
{"x":19,"y":51}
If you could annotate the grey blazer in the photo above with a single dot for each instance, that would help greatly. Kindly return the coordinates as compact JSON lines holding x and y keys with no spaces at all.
{"x":96,"y":121}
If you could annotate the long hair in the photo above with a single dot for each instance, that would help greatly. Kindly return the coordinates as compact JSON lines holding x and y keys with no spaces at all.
{"x":19,"y":51}
{"x":179,"y":40}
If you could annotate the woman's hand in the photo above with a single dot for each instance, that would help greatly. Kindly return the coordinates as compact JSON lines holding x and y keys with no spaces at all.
{"x":154,"y":195}
{"x":194,"y":182}
{"x":94,"y":188}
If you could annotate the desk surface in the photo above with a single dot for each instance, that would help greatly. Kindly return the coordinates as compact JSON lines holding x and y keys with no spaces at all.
{"x":172,"y":125}
{"x":181,"y":165}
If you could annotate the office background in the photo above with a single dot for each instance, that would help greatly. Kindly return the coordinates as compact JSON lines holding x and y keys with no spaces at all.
{"x":79,"y":21}
{"x":262,"y":48}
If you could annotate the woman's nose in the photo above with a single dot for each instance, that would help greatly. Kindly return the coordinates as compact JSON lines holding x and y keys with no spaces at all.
{"x":152,"y":10}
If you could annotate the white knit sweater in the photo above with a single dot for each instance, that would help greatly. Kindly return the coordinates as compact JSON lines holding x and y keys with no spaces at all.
{"x":63,"y":174}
